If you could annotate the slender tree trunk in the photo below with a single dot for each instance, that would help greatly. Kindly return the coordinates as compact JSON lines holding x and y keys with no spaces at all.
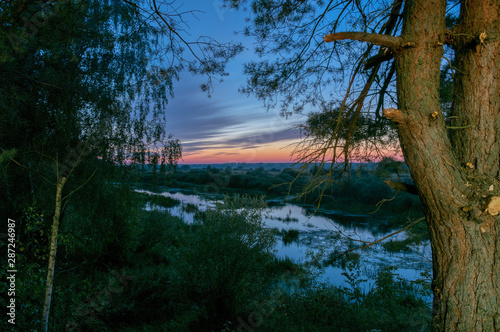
{"x":52,"y":255}
{"x":457,"y":182}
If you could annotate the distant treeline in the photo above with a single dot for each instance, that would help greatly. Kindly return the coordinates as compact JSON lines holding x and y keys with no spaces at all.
{"x":361,"y":190}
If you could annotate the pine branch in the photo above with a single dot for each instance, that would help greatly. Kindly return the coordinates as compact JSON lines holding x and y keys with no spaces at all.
{"x":385,"y":237}
{"x":374,"y":38}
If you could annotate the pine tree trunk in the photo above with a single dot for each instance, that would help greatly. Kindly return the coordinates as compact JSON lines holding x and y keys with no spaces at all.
{"x":52,"y":254}
{"x":467,"y":291}
{"x":457,"y":179}
{"x":466,"y":282}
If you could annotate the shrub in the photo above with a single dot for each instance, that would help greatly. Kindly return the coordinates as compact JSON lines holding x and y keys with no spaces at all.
{"x":398,"y":246}
{"x":224,"y":265}
{"x":393,"y":305}
{"x":106,"y":229}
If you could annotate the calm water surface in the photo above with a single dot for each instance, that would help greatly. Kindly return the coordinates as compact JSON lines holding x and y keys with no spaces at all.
{"x":320,"y":232}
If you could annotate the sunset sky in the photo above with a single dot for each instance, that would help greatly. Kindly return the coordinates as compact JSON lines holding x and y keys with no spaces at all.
{"x":228,"y":126}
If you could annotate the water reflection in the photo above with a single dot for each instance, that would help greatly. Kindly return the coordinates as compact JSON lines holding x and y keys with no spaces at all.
{"x":323,"y":231}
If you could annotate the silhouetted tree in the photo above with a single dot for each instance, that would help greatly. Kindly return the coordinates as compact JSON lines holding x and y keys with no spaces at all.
{"x":359,"y":57}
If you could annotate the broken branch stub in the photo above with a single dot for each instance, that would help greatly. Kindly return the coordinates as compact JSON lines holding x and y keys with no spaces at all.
{"x":394,"y":115}
{"x":493,"y":206}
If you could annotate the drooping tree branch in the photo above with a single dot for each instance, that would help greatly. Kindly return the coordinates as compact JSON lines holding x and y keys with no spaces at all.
{"x":374,"y":38}
{"x":384,"y":238}
{"x":378,"y":59}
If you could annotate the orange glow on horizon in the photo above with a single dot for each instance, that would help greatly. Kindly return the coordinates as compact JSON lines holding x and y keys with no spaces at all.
{"x":277,"y":152}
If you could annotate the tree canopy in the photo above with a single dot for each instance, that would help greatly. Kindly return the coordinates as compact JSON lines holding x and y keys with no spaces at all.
{"x":92,"y":79}
{"x":84,"y":87}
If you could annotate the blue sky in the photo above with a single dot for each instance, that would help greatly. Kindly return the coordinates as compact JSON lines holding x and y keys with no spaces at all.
{"x":228,"y":126}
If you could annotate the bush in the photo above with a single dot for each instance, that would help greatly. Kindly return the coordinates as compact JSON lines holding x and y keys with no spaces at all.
{"x":161,"y":234}
{"x":398,"y":246}
{"x":108,"y":228}
{"x":393,"y":305}
{"x":142,"y":297}
{"x":224,"y":265}
{"x":192,"y":277}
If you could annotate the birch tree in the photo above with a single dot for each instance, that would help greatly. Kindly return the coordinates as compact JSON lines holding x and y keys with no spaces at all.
{"x":88,"y":80}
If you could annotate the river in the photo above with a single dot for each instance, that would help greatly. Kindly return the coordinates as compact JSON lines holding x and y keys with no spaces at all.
{"x":325,"y":231}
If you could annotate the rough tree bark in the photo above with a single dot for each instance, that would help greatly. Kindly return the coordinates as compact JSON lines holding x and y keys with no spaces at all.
{"x":455,"y":170}
{"x":455,"y":178}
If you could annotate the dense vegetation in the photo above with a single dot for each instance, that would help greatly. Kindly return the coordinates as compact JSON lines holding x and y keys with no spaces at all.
{"x":85,"y":95}
{"x":122,"y":268}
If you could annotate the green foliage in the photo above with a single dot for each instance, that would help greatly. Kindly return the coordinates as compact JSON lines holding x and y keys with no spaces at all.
{"x":153,"y":295}
{"x":255,"y":182}
{"x":32,"y":251}
{"x":337,"y":258}
{"x":107,"y":227}
{"x":360,"y":193}
{"x":34,"y":242}
{"x":92,"y":291}
{"x":417,"y":235}
{"x":224,"y":265}
{"x":30,"y":290}
{"x":84,"y":83}
{"x":388,"y":166}
{"x":133,"y":270}
{"x":191,"y":277}
{"x":7,"y":155}
{"x":330,"y":122}
{"x":284,"y":265}
{"x":151,"y":291}
{"x":72,"y":74}
{"x":392,"y":305}
{"x":287,"y":219}
{"x":189,"y":207}
{"x":400,"y":302}
{"x":161,"y":235}
{"x":398,"y":246}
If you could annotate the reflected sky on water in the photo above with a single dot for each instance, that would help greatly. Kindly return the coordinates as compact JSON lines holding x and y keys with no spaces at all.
{"x":319,"y":231}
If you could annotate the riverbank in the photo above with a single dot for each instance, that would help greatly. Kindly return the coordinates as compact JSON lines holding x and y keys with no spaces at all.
{"x":361,"y":192}
{"x":124,"y":267}
{"x":319,"y":237}
{"x":359,"y":275}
